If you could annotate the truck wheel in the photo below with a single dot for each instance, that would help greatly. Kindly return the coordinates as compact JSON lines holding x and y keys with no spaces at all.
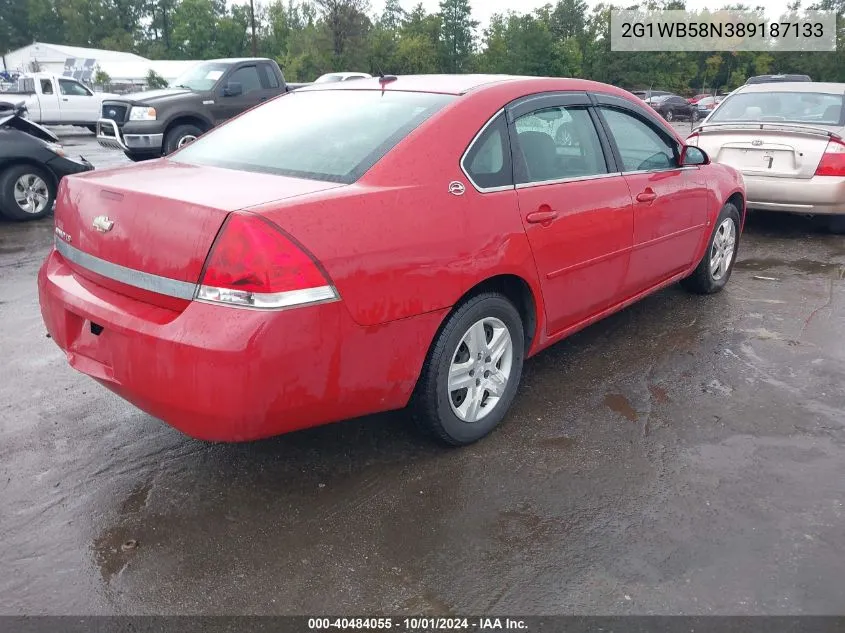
{"x":836,"y":224}
{"x":137,"y":158}
{"x":26,"y":192}
{"x":180,"y":136}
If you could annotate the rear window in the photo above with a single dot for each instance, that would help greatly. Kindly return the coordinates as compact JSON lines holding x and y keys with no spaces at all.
{"x":792,"y":107}
{"x":333,"y":135}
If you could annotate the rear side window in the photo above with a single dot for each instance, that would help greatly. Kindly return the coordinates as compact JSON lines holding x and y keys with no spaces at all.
{"x":269,"y":73}
{"x":46,"y":87}
{"x":488,"y":161}
{"x":557,"y":143}
{"x":333,"y":135}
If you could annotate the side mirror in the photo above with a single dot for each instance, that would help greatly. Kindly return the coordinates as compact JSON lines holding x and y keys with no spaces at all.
{"x":692,"y":155}
{"x":233,"y":89}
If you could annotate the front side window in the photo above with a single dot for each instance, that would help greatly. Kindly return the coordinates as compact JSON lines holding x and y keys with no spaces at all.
{"x":248,"y":78}
{"x":788,"y":107}
{"x":641,"y":147}
{"x":488,"y":162}
{"x":68,"y":87}
{"x":333,"y":135}
{"x":556,"y":143}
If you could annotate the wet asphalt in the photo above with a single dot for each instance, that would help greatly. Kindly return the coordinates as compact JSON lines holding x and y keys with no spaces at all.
{"x":685,"y":456}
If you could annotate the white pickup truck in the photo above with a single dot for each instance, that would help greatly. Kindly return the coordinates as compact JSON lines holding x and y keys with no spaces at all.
{"x":54,"y":100}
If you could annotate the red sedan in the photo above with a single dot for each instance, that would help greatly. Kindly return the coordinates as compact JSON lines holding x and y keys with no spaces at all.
{"x":357,"y":247}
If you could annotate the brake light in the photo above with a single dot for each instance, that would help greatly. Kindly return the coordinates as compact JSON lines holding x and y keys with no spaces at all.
{"x":253,"y":264}
{"x":833,"y":160}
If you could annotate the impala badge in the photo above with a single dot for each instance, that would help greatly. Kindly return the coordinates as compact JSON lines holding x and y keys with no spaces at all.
{"x":456,"y":188}
{"x":103,"y":224}
{"x":756,"y":142}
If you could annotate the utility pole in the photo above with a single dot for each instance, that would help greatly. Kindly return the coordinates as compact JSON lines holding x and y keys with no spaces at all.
{"x":252,"y":17}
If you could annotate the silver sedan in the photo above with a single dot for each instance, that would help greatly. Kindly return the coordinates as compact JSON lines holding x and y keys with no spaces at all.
{"x":788,"y":140}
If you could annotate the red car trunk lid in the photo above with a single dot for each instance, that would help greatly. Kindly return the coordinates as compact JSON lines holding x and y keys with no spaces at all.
{"x":141,"y":228}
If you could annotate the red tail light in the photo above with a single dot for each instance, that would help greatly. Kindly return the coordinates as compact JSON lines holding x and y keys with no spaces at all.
{"x":254,"y":264}
{"x":833,"y":160}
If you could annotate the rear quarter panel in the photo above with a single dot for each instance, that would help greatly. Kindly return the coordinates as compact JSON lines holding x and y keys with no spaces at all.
{"x":395,"y":251}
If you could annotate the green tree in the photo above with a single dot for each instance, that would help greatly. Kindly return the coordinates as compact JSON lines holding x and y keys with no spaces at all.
{"x":457,"y":34}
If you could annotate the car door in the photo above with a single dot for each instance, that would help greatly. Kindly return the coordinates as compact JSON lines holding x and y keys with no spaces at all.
{"x":576,"y":208}
{"x":670,"y":213}
{"x":48,"y":100}
{"x":78,"y":104}
{"x":254,"y":90}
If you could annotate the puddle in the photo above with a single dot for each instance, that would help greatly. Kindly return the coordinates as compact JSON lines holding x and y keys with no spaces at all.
{"x":806,"y":266}
{"x":618,"y":403}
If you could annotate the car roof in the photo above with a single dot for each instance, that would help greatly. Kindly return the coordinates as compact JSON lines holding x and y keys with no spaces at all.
{"x":795,"y":86}
{"x":463,"y":84}
{"x":236,"y":60}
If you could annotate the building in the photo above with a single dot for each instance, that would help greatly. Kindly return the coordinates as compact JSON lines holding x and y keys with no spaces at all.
{"x":126,"y":70}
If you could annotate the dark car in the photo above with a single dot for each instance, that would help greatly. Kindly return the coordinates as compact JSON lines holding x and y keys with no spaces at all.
{"x":32,"y":162}
{"x":768,"y":79}
{"x":158,"y":122}
{"x":646,"y":94}
{"x":672,"y":107}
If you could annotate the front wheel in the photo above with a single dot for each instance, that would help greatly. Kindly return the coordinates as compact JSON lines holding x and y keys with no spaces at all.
{"x":180,"y":136}
{"x":472,"y":371}
{"x":714,"y":269}
{"x":26,"y":192}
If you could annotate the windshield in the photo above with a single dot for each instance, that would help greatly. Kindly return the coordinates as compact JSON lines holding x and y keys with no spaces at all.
{"x":330,"y":78}
{"x":333,"y":135}
{"x":201,"y":77}
{"x":790,"y":107}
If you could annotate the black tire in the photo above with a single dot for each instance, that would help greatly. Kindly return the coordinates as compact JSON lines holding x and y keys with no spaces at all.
{"x":836,"y":224}
{"x":669,"y":115}
{"x":91,"y":128}
{"x":702,"y":280}
{"x":694,"y":116}
{"x":137,"y":158}
{"x":432,"y":403}
{"x":9,"y":207}
{"x":176,"y":137}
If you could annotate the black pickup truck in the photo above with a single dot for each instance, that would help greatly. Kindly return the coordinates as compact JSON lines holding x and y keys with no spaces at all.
{"x":157,"y":122}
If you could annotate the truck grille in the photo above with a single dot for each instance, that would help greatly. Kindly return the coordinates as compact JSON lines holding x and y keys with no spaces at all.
{"x":114,"y":112}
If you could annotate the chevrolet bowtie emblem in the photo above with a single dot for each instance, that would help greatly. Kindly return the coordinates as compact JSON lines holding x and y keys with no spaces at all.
{"x":103,"y":224}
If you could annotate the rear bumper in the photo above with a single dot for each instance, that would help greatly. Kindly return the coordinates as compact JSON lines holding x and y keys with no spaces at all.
{"x":110,"y":135}
{"x":819,"y":195}
{"x":227,"y":374}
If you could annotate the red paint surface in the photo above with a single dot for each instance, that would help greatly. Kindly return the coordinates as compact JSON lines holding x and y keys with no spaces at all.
{"x":397,"y":246}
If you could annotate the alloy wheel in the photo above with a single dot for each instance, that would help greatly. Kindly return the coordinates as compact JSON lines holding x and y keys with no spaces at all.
{"x":31,"y":193}
{"x":722,"y":250}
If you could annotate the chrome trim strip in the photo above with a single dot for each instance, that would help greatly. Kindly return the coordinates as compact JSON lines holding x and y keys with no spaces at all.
{"x":557,"y":181}
{"x":267,"y":301}
{"x":129,"y":276}
{"x":469,"y":147}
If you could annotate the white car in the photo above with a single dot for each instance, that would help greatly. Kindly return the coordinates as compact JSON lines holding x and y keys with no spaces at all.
{"x":335,"y":77}
{"x":55,"y":100}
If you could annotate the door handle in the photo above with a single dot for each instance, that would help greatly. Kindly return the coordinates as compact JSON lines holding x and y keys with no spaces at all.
{"x":64,"y":99}
{"x":646,"y":196}
{"x":541,"y":217}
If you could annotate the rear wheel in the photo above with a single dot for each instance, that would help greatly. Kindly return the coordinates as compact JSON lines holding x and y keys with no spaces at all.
{"x":472,"y":371}
{"x":26,"y":192}
{"x":715,"y":268}
{"x":669,"y":116}
{"x":836,"y":224}
{"x":180,"y":136}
